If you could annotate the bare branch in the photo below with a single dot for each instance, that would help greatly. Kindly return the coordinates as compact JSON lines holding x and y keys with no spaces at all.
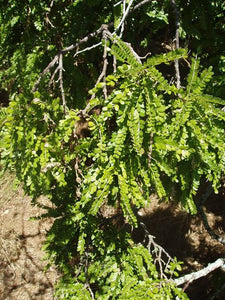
{"x":46,"y":70}
{"x":47,"y":14}
{"x":104,"y":69}
{"x":134,"y":53}
{"x":118,"y":3}
{"x":124,"y":11}
{"x":53,"y":76}
{"x":150,"y":150}
{"x":103,"y":73}
{"x":177,"y":42}
{"x":162,"y":258}
{"x":114,"y":63}
{"x":61,"y":82}
{"x":87,"y":49}
{"x":68,"y":49}
{"x":201,"y":273}
{"x":124,"y":16}
{"x":84,"y":40}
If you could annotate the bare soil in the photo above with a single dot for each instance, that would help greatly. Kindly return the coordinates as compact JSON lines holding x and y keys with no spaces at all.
{"x":23,"y":275}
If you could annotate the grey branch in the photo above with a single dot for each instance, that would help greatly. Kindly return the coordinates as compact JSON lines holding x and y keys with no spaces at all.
{"x":220,"y":262}
{"x":162,"y":257}
{"x":87,"y":49}
{"x":68,"y":49}
{"x":124,"y":16}
{"x":61,"y":82}
{"x":84,"y":40}
{"x":177,"y":43}
{"x":46,"y":70}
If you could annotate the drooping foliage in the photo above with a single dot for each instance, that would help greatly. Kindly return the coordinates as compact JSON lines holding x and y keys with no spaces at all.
{"x":150,"y":137}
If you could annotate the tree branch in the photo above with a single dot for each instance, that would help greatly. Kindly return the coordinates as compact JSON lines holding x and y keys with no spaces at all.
{"x":68,"y":49}
{"x":46,"y":70}
{"x":87,"y":49}
{"x":127,"y":11}
{"x":84,"y":40}
{"x":162,"y":258}
{"x":201,"y":273}
{"x":61,"y":82}
{"x":177,"y":42}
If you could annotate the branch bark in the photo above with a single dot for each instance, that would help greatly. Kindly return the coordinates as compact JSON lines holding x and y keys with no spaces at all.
{"x":85,"y":39}
{"x":177,"y":41}
{"x":68,"y":49}
{"x":220,"y":262}
{"x":124,"y":16}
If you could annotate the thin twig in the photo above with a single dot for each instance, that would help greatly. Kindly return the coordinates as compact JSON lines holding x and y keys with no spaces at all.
{"x":47,"y":14}
{"x":114,"y":64}
{"x":127,"y":11}
{"x":103,"y":73}
{"x":118,"y":3}
{"x":68,"y":49}
{"x":122,"y":27}
{"x":61,"y":82}
{"x":158,"y":251}
{"x":53,"y":76}
{"x":87,"y":49}
{"x":84,"y":40}
{"x":177,"y":42}
{"x":46,"y":70}
{"x":150,"y":150}
{"x":220,"y":262}
{"x":104,"y":69}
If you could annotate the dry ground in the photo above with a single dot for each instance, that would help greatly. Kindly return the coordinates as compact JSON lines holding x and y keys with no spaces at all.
{"x":22,"y":275}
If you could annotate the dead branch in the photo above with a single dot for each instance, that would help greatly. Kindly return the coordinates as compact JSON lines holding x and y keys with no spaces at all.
{"x":106,"y":33}
{"x":46,"y":70}
{"x":219,"y":263}
{"x":103,"y":27}
{"x":177,"y":41}
{"x":47,"y":20}
{"x":162,"y":258}
{"x":87,"y":49}
{"x":150,"y":150}
{"x":68,"y":49}
{"x":61,"y":82}
{"x":104,"y":69}
{"x":125,"y":14}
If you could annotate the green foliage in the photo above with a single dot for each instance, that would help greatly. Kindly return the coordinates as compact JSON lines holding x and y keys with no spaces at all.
{"x":123,"y":272}
{"x":150,"y":137}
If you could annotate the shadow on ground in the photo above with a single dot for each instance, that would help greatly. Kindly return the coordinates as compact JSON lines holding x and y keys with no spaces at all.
{"x":22,"y":274}
{"x":184,"y":236}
